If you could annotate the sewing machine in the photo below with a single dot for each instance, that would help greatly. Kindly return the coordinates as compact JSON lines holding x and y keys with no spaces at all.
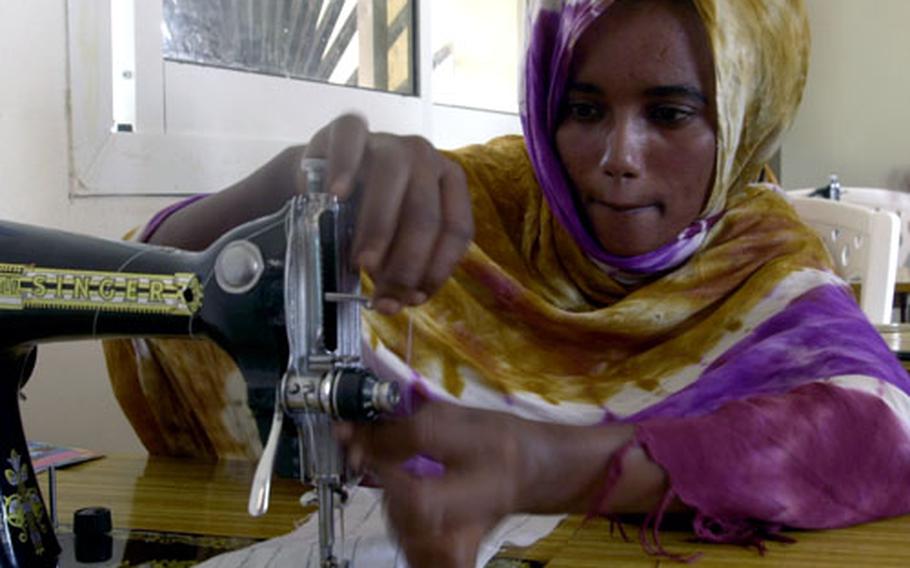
{"x":279,"y":294}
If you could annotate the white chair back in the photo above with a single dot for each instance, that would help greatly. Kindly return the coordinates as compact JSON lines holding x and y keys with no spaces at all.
{"x":898,"y":202}
{"x":863,"y":243}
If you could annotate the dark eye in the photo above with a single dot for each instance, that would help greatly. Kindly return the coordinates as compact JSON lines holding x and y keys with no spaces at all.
{"x":583,"y":111}
{"x":670,"y":115}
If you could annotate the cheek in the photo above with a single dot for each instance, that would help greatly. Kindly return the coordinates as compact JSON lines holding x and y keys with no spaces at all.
{"x":708,"y":152}
{"x":562,"y":140}
{"x":576,"y":149}
{"x":692,"y":165}
{"x":692,"y":154}
{"x":566,"y":140}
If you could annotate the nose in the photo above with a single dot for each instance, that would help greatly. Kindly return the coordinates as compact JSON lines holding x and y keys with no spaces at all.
{"x":623,"y":150}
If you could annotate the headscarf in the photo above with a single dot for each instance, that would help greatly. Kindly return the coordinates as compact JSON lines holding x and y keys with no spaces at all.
{"x":759,"y":90}
{"x":541,"y":321}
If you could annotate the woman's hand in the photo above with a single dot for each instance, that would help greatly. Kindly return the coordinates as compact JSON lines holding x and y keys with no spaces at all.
{"x":415,"y":218}
{"x":415,"y":210}
{"x":440,"y":518}
{"x":493,"y":464}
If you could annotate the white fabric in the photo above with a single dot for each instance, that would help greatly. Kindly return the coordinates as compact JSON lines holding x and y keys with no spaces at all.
{"x":367,"y":542}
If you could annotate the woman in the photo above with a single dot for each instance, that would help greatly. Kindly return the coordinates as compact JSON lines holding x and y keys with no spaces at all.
{"x":636,"y":323}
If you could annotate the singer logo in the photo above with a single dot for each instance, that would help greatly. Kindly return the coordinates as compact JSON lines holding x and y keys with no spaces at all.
{"x":30,"y":287}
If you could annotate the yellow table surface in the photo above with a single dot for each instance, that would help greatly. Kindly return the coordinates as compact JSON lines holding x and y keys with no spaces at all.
{"x":210,"y":498}
{"x":897,"y":336}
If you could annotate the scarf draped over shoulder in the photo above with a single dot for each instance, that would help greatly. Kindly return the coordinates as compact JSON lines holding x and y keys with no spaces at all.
{"x":538,"y":313}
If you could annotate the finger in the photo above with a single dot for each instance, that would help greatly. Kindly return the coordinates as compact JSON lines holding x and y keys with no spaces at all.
{"x":399,"y":439}
{"x":409,"y":253}
{"x":342,"y":143}
{"x":455,"y":550}
{"x":438,"y":506}
{"x":347,"y":146}
{"x":457,"y":228}
{"x":465,"y":545}
{"x":449,"y":434}
{"x":342,"y":431}
{"x":316,"y":147}
{"x":385,"y":181}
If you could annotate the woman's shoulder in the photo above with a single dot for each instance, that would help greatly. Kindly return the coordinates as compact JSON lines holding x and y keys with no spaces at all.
{"x":499,"y":172}
{"x":501,"y":155}
{"x":767,"y":197}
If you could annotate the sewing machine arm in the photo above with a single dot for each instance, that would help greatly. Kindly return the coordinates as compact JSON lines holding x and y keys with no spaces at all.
{"x":57,"y":286}
{"x":278,"y":294}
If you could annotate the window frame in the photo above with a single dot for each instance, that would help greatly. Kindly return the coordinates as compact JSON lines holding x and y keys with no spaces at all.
{"x":180,"y":146}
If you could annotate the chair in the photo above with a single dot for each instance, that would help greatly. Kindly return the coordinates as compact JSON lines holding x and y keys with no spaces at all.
{"x":863,"y":243}
{"x":898,"y":202}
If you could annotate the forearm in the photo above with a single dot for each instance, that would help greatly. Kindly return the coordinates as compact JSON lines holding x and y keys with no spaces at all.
{"x":264,"y":191}
{"x":818,"y":456}
{"x":571,"y":471}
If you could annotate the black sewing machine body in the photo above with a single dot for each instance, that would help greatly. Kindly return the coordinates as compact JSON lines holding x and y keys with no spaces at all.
{"x":279,"y":294}
{"x":56,"y":286}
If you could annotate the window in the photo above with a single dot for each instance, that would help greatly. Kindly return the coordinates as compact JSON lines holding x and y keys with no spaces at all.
{"x":187,"y":96}
{"x":342,"y":42}
{"x":476,"y":47}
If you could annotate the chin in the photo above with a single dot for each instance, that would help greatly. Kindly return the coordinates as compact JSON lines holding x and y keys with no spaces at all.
{"x":635,"y":249}
{"x":626,"y":244}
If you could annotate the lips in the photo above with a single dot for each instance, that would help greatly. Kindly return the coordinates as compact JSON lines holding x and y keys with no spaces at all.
{"x":625,"y":208}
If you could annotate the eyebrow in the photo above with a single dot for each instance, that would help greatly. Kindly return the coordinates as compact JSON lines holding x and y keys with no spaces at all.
{"x":583,"y":88}
{"x":687,"y":91}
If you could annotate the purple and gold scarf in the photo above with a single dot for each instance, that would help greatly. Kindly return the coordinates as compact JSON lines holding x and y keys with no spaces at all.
{"x":541,"y":320}
{"x":752,"y":376}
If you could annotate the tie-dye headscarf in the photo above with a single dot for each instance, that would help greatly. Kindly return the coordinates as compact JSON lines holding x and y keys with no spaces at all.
{"x":757,"y":93}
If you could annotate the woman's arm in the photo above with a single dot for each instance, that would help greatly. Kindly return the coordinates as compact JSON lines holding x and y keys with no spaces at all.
{"x":415,"y":219}
{"x":499,"y":464}
{"x":823,"y":455}
{"x":197,"y":225}
{"x":494,"y":464}
{"x":571,"y":471}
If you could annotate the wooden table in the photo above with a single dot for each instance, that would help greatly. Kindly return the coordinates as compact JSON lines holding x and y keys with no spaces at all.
{"x":897,"y":336}
{"x":902,"y":291}
{"x":204,"y":498}
{"x":902,"y":282}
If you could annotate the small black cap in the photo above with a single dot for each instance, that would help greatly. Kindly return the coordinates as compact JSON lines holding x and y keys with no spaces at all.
{"x":92,"y":527}
{"x":92,"y":521}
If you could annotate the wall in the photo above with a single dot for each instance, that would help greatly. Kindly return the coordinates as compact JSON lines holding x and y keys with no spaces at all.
{"x":69,"y":398}
{"x":855,"y":117}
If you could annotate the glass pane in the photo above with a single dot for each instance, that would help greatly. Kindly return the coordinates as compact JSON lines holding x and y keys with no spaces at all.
{"x":476,"y":47}
{"x":363,"y":43}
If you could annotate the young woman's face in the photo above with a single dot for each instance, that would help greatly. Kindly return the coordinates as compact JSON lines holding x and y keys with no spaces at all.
{"x":637,"y":129}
